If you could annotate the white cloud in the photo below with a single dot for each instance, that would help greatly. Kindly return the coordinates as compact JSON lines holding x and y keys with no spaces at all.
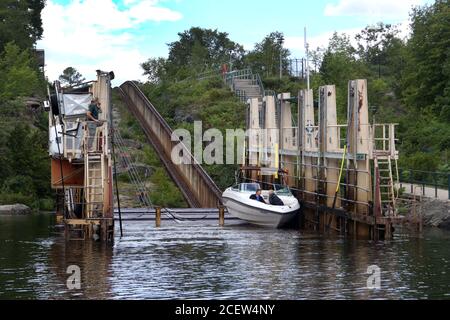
{"x":396,"y":9}
{"x":297,"y":43}
{"x":96,"y":34}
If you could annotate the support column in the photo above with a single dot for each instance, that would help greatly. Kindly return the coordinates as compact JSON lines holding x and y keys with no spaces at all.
{"x":271,"y":141}
{"x":254,"y":140}
{"x":329,"y":141}
{"x":307,"y":133}
{"x":358,"y":144}
{"x":287,"y":139}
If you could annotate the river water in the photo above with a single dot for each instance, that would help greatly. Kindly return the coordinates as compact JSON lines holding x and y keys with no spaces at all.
{"x":192,"y":261}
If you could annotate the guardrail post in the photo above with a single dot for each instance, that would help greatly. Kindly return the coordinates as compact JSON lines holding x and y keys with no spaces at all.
{"x":449,"y":187}
{"x":435,"y":186}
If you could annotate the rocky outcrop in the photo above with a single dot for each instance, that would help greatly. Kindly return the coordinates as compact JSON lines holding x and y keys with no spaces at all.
{"x":436,"y":213}
{"x":14,"y":210}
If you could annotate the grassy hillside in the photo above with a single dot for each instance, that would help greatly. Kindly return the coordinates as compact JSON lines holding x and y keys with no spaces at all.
{"x":163,"y":191}
{"x":209,"y":101}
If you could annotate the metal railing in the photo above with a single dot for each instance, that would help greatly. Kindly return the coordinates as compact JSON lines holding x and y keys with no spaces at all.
{"x":436,"y":181}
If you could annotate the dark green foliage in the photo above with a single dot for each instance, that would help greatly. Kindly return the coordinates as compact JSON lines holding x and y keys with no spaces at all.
{"x":24,"y":160}
{"x":18,"y":74}
{"x":208,"y":101}
{"x":199,"y":50}
{"x":428,"y":78}
{"x":20,"y":21}
{"x":71,"y":77}
{"x":265,"y":58}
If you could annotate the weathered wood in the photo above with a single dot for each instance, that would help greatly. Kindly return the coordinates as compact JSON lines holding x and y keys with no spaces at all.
{"x":221,"y":216}
{"x":158,"y":217}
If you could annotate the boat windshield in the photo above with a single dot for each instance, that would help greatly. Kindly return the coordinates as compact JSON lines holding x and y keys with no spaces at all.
{"x":249,"y":187}
{"x":282,"y":190}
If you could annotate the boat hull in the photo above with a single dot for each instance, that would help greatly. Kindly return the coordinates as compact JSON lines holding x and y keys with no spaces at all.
{"x":260,"y":214}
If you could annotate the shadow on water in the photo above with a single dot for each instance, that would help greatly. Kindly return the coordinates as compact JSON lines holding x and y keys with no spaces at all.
{"x":188,"y":261}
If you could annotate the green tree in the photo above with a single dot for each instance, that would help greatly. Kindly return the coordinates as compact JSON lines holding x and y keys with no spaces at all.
{"x":265,"y":58}
{"x":71,"y":77}
{"x":20,"y":21}
{"x":18,"y":75}
{"x":201,"y":49}
{"x":155,"y":69}
{"x":427,"y":83}
{"x":340,"y":65}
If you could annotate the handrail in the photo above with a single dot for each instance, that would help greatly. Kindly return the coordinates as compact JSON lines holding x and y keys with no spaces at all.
{"x":168,"y":131}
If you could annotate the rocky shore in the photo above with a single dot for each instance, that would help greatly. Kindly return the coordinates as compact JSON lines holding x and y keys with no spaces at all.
{"x":14,"y":210}
{"x":436,"y":213}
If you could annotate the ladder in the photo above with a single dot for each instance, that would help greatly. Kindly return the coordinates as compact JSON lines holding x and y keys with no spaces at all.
{"x":386,"y":184}
{"x":94,"y":185}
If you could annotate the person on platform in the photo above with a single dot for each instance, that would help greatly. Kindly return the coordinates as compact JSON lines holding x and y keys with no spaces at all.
{"x":93,"y":122}
{"x":95,"y":108}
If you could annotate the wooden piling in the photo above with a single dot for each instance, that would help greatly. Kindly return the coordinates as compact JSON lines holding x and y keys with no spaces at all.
{"x":158,"y":217}
{"x":221,"y":216}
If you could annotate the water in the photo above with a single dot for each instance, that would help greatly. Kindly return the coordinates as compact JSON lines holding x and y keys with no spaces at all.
{"x":183,"y":261}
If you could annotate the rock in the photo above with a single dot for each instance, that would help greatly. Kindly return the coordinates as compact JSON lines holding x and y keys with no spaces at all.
{"x":14,"y":210}
{"x":144,"y":171}
{"x":132,"y":144}
{"x":436,"y":213}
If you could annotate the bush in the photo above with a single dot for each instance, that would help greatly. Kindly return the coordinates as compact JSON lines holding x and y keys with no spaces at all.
{"x":13,"y":198}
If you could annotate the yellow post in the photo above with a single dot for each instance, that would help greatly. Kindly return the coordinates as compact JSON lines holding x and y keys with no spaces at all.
{"x":158,"y":217}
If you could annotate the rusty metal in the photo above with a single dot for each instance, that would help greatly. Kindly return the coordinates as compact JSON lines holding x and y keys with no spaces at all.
{"x":196,"y":185}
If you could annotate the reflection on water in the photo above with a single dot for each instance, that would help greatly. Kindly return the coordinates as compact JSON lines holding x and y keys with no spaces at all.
{"x":202,"y":262}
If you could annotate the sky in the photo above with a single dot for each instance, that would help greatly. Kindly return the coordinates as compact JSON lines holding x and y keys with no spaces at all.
{"x":118,"y":35}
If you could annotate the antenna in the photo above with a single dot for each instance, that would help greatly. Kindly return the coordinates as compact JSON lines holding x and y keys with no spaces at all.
{"x":307,"y":61}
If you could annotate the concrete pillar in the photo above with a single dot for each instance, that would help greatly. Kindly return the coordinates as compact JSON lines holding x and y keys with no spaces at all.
{"x":358,"y":144}
{"x":271,"y":141}
{"x":307,"y":134}
{"x":254,"y":132}
{"x":329,"y":141}
{"x":288,"y":137}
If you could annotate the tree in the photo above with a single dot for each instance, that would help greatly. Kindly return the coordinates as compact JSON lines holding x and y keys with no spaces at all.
{"x":20,"y":21}
{"x":71,"y":77}
{"x":265,"y":58}
{"x":155,"y":69}
{"x":18,"y":76}
{"x":427,"y":83}
{"x":199,"y":49}
{"x":339,"y":65}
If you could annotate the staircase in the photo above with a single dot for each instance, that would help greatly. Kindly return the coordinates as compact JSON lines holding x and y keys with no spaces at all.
{"x":245,"y":84}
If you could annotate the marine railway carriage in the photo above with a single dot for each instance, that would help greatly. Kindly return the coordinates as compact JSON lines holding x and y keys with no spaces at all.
{"x":81,"y":159}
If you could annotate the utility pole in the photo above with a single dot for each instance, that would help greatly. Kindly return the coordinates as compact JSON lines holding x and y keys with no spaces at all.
{"x":280,"y":42}
{"x":307,"y":61}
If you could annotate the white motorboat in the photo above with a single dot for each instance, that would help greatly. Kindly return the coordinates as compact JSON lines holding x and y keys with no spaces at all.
{"x":239,"y":204}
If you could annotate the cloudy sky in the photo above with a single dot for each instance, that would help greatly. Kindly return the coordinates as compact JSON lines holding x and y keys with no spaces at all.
{"x":120,"y":34}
